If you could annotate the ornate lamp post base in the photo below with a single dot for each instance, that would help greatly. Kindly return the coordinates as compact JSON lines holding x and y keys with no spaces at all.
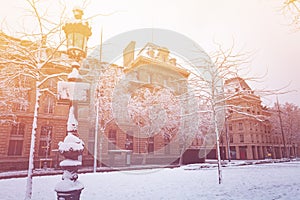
{"x":69,"y":188}
{"x":70,"y":195}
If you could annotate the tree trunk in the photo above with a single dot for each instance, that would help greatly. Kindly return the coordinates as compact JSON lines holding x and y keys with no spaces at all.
{"x":96,"y":137}
{"x":217,"y":146}
{"x":28,"y":193}
{"x":145,"y":154}
{"x":182,"y":150}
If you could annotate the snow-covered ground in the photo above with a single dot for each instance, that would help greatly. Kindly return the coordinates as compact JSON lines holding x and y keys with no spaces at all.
{"x":264,"y":181}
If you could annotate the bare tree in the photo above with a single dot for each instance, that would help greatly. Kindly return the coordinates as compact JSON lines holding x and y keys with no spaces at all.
{"x":286,"y":123}
{"x":32,"y":61}
{"x":14,"y":92}
{"x":155,"y":110}
{"x":291,"y":9}
{"x":109,"y":75}
{"x":210,"y":82}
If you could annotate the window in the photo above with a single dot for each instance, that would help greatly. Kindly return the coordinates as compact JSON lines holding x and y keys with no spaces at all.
{"x":240,"y":126}
{"x":261,"y":127}
{"x":241,"y":138}
{"x":129,"y":141}
{"x":167,"y":145}
{"x":52,"y":84}
{"x":112,"y":137}
{"x":46,"y":131}
{"x":44,"y":148}
{"x":21,"y":95}
{"x":112,"y":134}
{"x":49,"y":104}
{"x":199,"y":141}
{"x":231,"y":138}
{"x":15,"y":147}
{"x":221,"y":139}
{"x":230,"y":127}
{"x":19,"y":107}
{"x":251,"y":126}
{"x":45,"y":141}
{"x":150,"y":144}
{"x":18,"y":129}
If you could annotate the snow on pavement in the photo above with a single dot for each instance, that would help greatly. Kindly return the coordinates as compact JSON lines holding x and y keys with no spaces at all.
{"x":264,"y":181}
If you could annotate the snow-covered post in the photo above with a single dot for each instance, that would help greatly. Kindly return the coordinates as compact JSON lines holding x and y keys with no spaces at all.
{"x":72,"y":146}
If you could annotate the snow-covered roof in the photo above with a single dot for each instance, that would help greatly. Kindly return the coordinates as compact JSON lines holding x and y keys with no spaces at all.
{"x":158,"y":55}
{"x":237,"y":82}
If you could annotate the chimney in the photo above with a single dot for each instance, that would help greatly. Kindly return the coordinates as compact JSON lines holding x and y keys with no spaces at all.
{"x":173,"y":61}
{"x":128,"y":54}
{"x":163,"y":54}
{"x":150,"y":52}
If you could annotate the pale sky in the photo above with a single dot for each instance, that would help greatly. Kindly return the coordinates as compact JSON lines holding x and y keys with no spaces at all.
{"x":254,"y":25}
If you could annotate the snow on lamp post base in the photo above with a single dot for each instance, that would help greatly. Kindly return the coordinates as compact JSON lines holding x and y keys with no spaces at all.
{"x":69,"y":187}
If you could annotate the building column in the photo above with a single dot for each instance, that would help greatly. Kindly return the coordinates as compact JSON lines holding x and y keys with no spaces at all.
{"x":273,"y":152}
{"x":259,"y":149}
{"x":237,"y":150}
{"x":263,"y":152}
{"x":279,"y":152}
{"x":249,"y":153}
{"x":254,"y":149}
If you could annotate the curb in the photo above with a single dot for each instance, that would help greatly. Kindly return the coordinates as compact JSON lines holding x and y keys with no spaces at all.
{"x":50,"y":172}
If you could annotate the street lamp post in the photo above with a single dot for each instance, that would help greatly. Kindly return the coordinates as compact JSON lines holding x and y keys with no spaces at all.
{"x":77,"y":33}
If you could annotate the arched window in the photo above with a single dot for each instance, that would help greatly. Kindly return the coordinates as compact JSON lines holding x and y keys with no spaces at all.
{"x":112,"y":139}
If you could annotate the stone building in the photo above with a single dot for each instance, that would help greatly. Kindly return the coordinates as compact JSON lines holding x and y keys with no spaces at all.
{"x":247,"y":126}
{"x":17,"y":106}
{"x":151,"y":69}
{"x":17,"y":102}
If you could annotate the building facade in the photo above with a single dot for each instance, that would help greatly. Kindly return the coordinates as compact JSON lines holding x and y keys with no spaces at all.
{"x":17,"y":105}
{"x":151,"y":70}
{"x":247,"y":129}
{"x":122,"y":129}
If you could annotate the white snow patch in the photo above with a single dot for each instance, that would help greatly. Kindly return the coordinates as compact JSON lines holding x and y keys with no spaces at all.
{"x":71,"y":143}
{"x":69,"y":162}
{"x":68,"y":185}
{"x":264,"y":181}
